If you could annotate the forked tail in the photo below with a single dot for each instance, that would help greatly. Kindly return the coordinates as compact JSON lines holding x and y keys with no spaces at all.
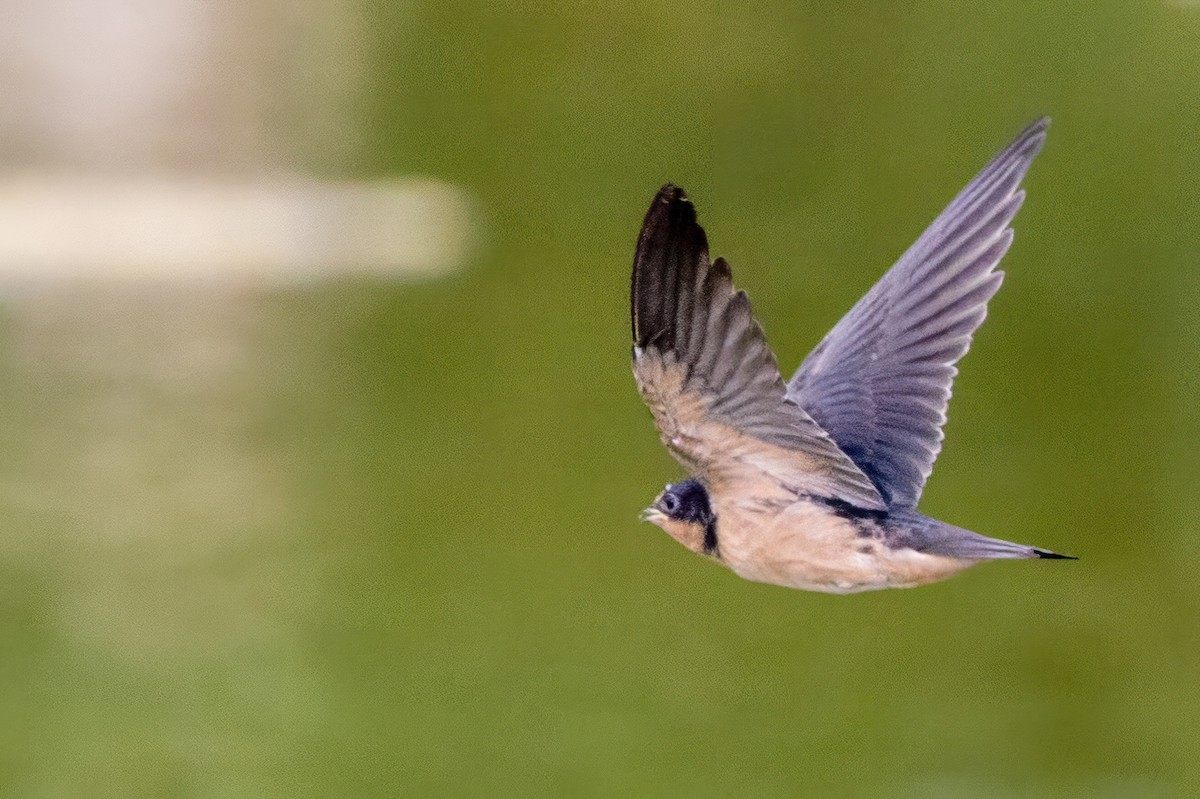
{"x":938,"y":538}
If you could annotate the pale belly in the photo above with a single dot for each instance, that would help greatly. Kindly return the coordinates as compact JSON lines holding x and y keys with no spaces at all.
{"x":809,"y":547}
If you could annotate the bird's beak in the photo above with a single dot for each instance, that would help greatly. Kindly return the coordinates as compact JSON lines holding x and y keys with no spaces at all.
{"x":651,"y":514}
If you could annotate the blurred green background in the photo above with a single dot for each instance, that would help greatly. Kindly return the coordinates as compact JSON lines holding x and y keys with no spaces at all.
{"x":389,"y":545}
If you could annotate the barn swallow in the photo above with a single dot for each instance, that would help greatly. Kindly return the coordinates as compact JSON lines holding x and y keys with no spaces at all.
{"x":813,"y":484}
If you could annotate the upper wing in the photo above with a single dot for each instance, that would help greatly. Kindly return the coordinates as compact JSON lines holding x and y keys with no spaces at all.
{"x":880,"y":381}
{"x":705,"y":370}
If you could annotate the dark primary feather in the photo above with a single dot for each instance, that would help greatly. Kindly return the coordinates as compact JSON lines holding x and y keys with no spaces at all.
{"x":688,"y":320}
{"x":880,"y":382}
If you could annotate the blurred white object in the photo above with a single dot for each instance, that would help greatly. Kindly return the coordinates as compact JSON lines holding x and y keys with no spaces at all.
{"x":61,"y":227}
{"x":183,"y":85}
{"x":169,"y":139}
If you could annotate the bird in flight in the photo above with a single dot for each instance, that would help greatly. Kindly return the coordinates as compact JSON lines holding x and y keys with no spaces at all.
{"x":814,"y":483}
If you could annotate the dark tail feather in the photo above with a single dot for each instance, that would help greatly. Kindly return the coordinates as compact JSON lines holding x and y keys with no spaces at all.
{"x":1048,"y":555}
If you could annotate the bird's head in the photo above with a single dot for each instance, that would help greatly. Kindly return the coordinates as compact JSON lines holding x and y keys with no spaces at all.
{"x":683,"y":511}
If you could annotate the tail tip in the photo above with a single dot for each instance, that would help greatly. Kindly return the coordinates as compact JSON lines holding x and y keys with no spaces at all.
{"x":1048,"y":555}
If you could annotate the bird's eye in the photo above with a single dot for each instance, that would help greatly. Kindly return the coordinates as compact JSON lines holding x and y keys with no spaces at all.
{"x":670,"y":503}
